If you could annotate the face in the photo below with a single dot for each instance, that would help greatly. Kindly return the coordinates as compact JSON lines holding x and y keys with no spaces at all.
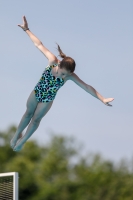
{"x":62,"y":72}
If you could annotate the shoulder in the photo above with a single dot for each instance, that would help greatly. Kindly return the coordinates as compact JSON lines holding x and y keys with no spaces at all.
{"x":55,"y":61}
{"x":73,"y":77}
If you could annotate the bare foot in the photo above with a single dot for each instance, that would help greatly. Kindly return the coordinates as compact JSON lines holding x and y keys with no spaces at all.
{"x":14,"y":141}
{"x":18,"y":146}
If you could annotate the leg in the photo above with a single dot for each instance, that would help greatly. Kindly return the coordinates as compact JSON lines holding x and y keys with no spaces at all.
{"x":40,"y":112}
{"x":31,"y":107}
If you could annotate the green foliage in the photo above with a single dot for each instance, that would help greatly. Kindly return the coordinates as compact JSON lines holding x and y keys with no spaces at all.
{"x":48,"y":173}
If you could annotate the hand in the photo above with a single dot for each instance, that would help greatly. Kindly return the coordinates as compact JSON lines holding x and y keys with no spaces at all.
{"x":106,"y":101}
{"x":24,"y":26}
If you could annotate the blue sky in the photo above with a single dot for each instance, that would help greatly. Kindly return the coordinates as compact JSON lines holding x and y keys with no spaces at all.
{"x":99,"y":36}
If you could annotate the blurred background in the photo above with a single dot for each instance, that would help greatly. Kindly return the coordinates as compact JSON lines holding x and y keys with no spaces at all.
{"x":99,"y":36}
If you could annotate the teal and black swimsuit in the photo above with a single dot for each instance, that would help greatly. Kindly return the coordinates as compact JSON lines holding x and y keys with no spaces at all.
{"x":47,"y":87}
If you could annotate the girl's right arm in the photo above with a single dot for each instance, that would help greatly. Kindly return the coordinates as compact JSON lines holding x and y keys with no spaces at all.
{"x":51,"y":57}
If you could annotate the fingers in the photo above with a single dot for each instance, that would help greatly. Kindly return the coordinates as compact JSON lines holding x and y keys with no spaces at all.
{"x":21,"y":26}
{"x":108,"y":104}
{"x":25,"y":24}
{"x":110,"y":99}
{"x":24,"y":19}
{"x":107,"y":101}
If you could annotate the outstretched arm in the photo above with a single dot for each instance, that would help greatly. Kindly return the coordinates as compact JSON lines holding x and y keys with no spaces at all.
{"x":90,"y":89}
{"x":51,"y":57}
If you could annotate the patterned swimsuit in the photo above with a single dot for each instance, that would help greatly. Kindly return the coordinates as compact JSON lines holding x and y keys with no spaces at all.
{"x":48,"y":85}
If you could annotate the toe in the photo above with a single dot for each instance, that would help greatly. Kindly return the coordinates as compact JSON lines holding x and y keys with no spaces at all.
{"x":12,"y":144}
{"x":16,"y":148}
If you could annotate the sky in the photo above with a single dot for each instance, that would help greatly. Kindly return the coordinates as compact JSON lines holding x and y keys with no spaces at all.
{"x":99,"y":36}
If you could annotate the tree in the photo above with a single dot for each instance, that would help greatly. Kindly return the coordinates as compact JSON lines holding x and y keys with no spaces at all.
{"x":48,"y":173}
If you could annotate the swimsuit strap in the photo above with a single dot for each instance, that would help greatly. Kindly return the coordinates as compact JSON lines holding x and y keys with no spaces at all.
{"x":54,"y":65}
{"x":49,"y":67}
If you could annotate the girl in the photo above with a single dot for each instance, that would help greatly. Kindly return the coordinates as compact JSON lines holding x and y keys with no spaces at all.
{"x":42,"y":97}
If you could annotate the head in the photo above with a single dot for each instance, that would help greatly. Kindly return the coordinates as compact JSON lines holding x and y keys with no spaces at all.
{"x":67,"y":65}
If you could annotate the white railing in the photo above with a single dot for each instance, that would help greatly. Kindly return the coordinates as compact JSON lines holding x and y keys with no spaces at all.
{"x":9,"y":186}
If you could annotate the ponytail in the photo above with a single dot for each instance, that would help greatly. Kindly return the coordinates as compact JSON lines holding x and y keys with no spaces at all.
{"x":67,"y":62}
{"x":61,"y":54}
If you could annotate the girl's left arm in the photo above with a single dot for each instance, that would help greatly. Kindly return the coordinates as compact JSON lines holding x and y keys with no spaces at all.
{"x":90,"y":89}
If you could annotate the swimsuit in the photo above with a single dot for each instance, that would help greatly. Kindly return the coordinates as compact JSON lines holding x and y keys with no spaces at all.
{"x":48,"y":85}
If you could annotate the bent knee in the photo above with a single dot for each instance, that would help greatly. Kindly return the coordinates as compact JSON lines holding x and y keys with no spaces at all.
{"x":36,"y":120}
